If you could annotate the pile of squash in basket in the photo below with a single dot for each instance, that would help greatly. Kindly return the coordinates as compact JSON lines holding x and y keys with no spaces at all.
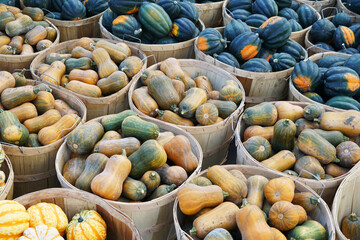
{"x":268,"y":49}
{"x":133,"y":164}
{"x":171,"y":95}
{"x":163,"y":22}
{"x":333,"y":80}
{"x":24,"y":32}
{"x":269,"y":209}
{"x":314,"y":143}
{"x":89,"y":68}
{"x":298,"y":16}
{"x":338,"y":34}
{"x":29,"y":115}
{"x":48,"y":221}
{"x":69,"y":10}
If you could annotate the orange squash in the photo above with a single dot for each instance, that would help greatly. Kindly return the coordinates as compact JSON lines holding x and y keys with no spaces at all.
{"x":335,"y":170}
{"x":58,"y":130}
{"x":189,"y":82}
{"x":172,"y":174}
{"x":7,"y":50}
{"x":73,"y":168}
{"x":203,"y":83}
{"x":27,"y":49}
{"x":238,"y":174}
{"x":109,"y":135}
{"x":289,"y":111}
{"x":165,"y":137}
{"x":43,"y":67}
{"x":4,"y":40}
{"x":252,"y":224}
{"x":213,"y":95}
{"x":43,"y":44}
{"x":306,"y":200}
{"x":179,"y":151}
{"x":171,"y":117}
{"x":231,"y":92}
{"x":35,"y":35}
{"x":279,"y":189}
{"x":172,"y":68}
{"x":115,"y":146}
{"x":84,"y":42}
{"x":193,"y":198}
{"x":236,"y":188}
{"x":283,"y":215}
{"x":281,"y":161}
{"x":144,"y":102}
{"x":44,"y":101}
{"x":25,"y":111}
{"x":54,"y":73}
{"x":79,"y":52}
{"x":108,"y":184}
{"x":17,"y":44}
{"x":302,"y":214}
{"x":256,"y":185}
{"x":207,"y":114}
{"x":255,"y":130}
{"x":86,"y":76}
{"x":64,"y":80}
{"x":63,"y":107}
{"x":7,"y":80}
{"x":50,"y":117}
{"x":348,"y":153}
{"x":223,"y":216}
{"x":84,"y":88}
{"x":124,"y":48}
{"x":51,"y":33}
{"x":277,"y":235}
{"x":104,"y":63}
{"x":179,"y":87}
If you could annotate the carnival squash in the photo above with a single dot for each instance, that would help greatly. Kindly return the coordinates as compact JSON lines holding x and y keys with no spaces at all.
{"x":350,"y":226}
{"x":258,"y":147}
{"x":307,"y":200}
{"x":151,"y":179}
{"x":14,"y":219}
{"x":283,"y":215}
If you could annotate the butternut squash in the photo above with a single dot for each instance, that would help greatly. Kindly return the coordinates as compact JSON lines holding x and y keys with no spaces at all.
{"x":6,"y":80}
{"x":256,"y":185}
{"x":25,"y":111}
{"x":113,"y":83}
{"x":50,"y":117}
{"x":17,"y":44}
{"x":281,"y":161}
{"x":104,"y":63}
{"x":86,"y":76}
{"x":171,"y":67}
{"x":144,"y":102}
{"x":290,"y":111}
{"x":54,"y":73}
{"x":64,"y":108}
{"x":44,"y":101}
{"x":27,"y":49}
{"x":347,"y":122}
{"x":84,"y":88}
{"x":117,"y":53}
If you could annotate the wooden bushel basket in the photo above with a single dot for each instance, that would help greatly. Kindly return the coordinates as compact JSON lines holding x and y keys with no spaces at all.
{"x":7,"y":192}
{"x":34,"y":167}
{"x":346,"y":201}
{"x":259,"y":87}
{"x":340,"y":5}
{"x":214,"y":139}
{"x":321,"y":213}
{"x":159,"y":51}
{"x":101,"y":106}
{"x":326,"y":188}
{"x":210,"y":13}
{"x":153,"y":218}
{"x":295,"y":95}
{"x":17,"y":62}
{"x":119,"y":226}
{"x":314,"y":49}
{"x":318,"y":5}
{"x":298,"y":36}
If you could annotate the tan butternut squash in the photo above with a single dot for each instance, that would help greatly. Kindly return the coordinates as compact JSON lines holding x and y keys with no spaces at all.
{"x":54,"y":73}
{"x":50,"y":117}
{"x":25,"y":111}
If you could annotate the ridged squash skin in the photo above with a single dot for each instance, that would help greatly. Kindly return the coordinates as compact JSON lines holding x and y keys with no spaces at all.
{"x":151,"y":179}
{"x":350,"y":226}
{"x":264,"y":114}
{"x":94,"y":7}
{"x":284,"y":135}
{"x":164,"y":93}
{"x":73,"y":168}
{"x":268,"y":8}
{"x":312,"y":167}
{"x":343,"y":35}
{"x":125,"y":7}
{"x":246,"y":46}
{"x":258,"y":147}
{"x":348,"y":153}
{"x":154,"y":18}
{"x":257,"y":65}
{"x":283,"y":216}
{"x":73,"y":10}
{"x":341,"y":81}
{"x":294,"y":49}
{"x":235,"y":28}
{"x":189,"y":11}
{"x":151,"y":155}
{"x":134,"y":190}
{"x":114,"y":121}
{"x":309,"y":230}
{"x":307,"y":15}
{"x":275,"y":32}
{"x":194,"y":98}
{"x":282,"y":61}
{"x":306,"y":76}
{"x":322,"y":30}
{"x":134,"y":126}
{"x":210,"y":41}
{"x":183,"y":29}
{"x":108,"y":18}
{"x":125,"y":26}
{"x":12,"y":229}
{"x":171,"y":7}
{"x":307,"y":200}
{"x":218,"y":233}
{"x":255,"y":20}
{"x":83,"y":139}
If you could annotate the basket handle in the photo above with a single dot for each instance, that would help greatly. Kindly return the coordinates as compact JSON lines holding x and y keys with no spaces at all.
{"x":230,"y":12}
{"x":183,"y":233}
{"x":307,"y":51}
{"x":21,"y":148}
{"x":143,"y":60}
{"x":75,"y":124}
{"x":201,"y":11}
{"x":47,"y":10}
{"x":322,"y":11}
{"x":316,"y":178}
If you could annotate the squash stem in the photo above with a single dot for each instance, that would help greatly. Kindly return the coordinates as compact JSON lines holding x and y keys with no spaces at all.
{"x":244,"y":203}
{"x":225,"y":194}
{"x":152,"y":175}
{"x":124,"y":152}
{"x":160,"y":112}
{"x":314,"y":200}
{"x":193,"y":231}
{"x":353,"y":217}
{"x":336,"y":160}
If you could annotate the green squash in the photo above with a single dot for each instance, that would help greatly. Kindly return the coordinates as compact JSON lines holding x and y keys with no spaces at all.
{"x":343,"y":37}
{"x":341,"y":81}
{"x":322,"y":30}
{"x":162,"y":190}
{"x":83,"y":139}
{"x":12,"y":131}
{"x":284,"y":135}
{"x":291,"y":173}
{"x":150,"y":156}
{"x":342,"y":100}
{"x":333,"y":137}
{"x":257,"y":65}
{"x":283,"y":3}
{"x":33,"y":141}
{"x":183,"y":29}
{"x":83,"y":63}
{"x":164,"y":93}
{"x":154,"y":18}
{"x":133,"y":189}
{"x":307,"y":15}
{"x":225,"y":108}
{"x":121,"y":7}
{"x":306,"y":76}
{"x":171,"y":7}
{"x":332,"y":61}
{"x":308,"y":230}
{"x":350,"y":226}
{"x":240,"y":14}
{"x":239,"y":4}
{"x":107,"y":18}
{"x":95,"y":7}
{"x":38,"y":3}
{"x":194,"y":98}
{"x":245,"y":46}
{"x":353,"y":62}
{"x":228,"y":59}
{"x":289,"y":13}
{"x":294,"y":49}
{"x":20,"y":26}
{"x":309,"y":167}
{"x":218,"y":233}
{"x":313,"y":111}
{"x":57,"y":6}
{"x":275,"y":32}
{"x":342,"y":19}
{"x":134,"y":126}
{"x":282,"y":61}
{"x":210,"y":41}
{"x":234,"y":28}
{"x":126,"y":27}
{"x":295,"y":26}
{"x":314,"y":96}
{"x":151,"y":179}
{"x":256,"y":20}
{"x":73,"y":10}
{"x":189,"y":11}
{"x":265,"y":53}
{"x":166,"y":40}
{"x":258,"y":147}
{"x":263,"y":114}
{"x":267,"y":8}
{"x":5,"y":17}
{"x":302,"y":124}
{"x":114,"y":121}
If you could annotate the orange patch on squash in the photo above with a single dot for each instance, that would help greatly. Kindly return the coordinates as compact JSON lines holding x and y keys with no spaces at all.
{"x":349,"y":36}
{"x":202,"y":44}
{"x":270,"y":21}
{"x":268,"y":58}
{"x":248,"y":52}
{"x":302,"y":82}
{"x":175,"y":30}
{"x":353,"y":82}
{"x":134,"y":10}
{"x":120,"y":19}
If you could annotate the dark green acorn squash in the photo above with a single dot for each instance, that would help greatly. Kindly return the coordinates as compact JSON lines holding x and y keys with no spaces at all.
{"x":267,"y":8}
{"x":183,"y":29}
{"x":325,"y":46}
{"x":210,"y":41}
{"x":314,"y":96}
{"x":275,"y":32}
{"x":121,"y":7}
{"x":354,"y":63}
{"x":322,"y":31}
{"x":308,"y":230}
{"x":332,"y":61}
{"x":239,"y":4}
{"x":350,"y":51}
{"x":107,"y":18}
{"x":342,"y":19}
{"x":189,"y":11}
{"x":245,"y":46}
{"x":166,"y":40}
{"x":73,"y":10}
{"x":343,"y":99}
{"x":240,"y":14}
{"x":265,"y":53}
{"x":341,"y":81}
{"x":125,"y":26}
{"x":57,"y":5}
{"x":154,"y":19}
{"x":147,"y":37}
{"x":295,"y":26}
{"x":171,"y":7}
{"x":343,"y":37}
{"x":234,"y":28}
{"x":282,"y":61}
{"x":294,"y":49}
{"x":38,"y":3}
{"x":228,"y":59}
{"x":94,"y":7}
{"x":295,"y":5}
{"x":283,"y":3}
{"x":306,"y":76}
{"x":289,"y":13}
{"x":255,"y":20}
{"x":353,"y":6}
{"x":257,"y":65}
{"x":307,"y":15}
{"x":356,"y":30}
{"x":53,"y":15}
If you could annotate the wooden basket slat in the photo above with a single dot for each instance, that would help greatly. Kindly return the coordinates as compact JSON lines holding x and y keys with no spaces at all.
{"x":210,"y":13}
{"x":7,"y":192}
